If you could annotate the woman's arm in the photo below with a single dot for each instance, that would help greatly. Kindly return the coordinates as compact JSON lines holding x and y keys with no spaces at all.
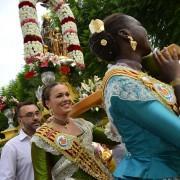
{"x":129,"y":98}
{"x":170,"y":69}
{"x":40,"y":163}
{"x":151,"y":115}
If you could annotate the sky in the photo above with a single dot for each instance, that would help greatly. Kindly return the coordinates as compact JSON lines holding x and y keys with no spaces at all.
{"x":11,"y":40}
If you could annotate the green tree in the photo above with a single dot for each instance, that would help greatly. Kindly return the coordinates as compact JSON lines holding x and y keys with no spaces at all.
{"x":160,"y":18}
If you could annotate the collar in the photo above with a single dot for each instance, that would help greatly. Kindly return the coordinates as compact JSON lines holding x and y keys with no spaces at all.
{"x":129,"y":63}
{"x":23,"y":135}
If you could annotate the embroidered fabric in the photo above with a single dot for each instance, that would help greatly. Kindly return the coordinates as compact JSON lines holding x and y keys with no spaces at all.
{"x":129,"y":89}
{"x":126,"y":88}
{"x":63,"y":169}
{"x":86,"y":137}
{"x":42,"y":144}
{"x":142,"y":85}
{"x":112,"y":133}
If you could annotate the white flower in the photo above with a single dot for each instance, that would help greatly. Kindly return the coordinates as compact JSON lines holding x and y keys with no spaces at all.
{"x":86,"y":87}
{"x":33,"y":48}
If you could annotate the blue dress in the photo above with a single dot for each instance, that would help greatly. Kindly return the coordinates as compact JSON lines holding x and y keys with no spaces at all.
{"x":150,"y":130}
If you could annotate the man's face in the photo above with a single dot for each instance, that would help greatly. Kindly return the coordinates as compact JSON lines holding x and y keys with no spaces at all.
{"x":29,"y":117}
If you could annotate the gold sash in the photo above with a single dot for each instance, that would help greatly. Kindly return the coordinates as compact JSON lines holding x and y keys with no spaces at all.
{"x":163,"y":92}
{"x":71,"y":148}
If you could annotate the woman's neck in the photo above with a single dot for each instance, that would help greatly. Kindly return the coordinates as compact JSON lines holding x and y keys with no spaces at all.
{"x":130,"y":63}
{"x":61,"y":120}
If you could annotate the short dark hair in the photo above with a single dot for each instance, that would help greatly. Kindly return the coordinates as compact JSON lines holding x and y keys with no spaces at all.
{"x":21,"y":104}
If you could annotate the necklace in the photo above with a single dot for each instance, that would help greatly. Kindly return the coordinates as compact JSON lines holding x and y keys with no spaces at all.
{"x":63,"y":123}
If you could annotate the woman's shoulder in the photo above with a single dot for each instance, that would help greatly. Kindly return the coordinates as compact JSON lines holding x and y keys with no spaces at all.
{"x":40,"y":139}
{"x":82,"y":122}
{"x":128,"y":88}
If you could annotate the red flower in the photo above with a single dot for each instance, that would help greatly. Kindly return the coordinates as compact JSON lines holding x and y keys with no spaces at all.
{"x":2,"y":106}
{"x":44,"y":64}
{"x":28,"y":20}
{"x":68,"y":19}
{"x":73,"y":47}
{"x":29,"y":37}
{"x":30,"y":74}
{"x":26,"y":3}
{"x":64,"y":70}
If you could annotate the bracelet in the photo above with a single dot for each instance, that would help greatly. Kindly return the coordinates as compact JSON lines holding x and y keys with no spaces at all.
{"x":175,"y":82}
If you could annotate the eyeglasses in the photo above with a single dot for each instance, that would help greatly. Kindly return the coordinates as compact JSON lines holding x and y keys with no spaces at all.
{"x":31,"y":114}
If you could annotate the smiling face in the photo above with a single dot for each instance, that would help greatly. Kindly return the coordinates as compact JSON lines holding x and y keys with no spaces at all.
{"x":59,"y":100}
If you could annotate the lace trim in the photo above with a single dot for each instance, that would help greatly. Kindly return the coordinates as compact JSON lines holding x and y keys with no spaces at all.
{"x":86,"y":137}
{"x":112,"y":133}
{"x":44,"y":145}
{"x":87,"y":127}
{"x":160,"y":91}
{"x":127,"y":89}
{"x":63,"y":169}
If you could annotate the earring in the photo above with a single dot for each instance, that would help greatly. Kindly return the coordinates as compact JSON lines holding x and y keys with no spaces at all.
{"x":133,"y":43}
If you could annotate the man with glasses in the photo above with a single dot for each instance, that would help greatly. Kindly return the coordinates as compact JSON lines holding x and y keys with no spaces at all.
{"x":15,"y":162}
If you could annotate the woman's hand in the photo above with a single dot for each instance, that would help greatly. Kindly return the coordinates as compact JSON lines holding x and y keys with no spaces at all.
{"x":169,"y":64}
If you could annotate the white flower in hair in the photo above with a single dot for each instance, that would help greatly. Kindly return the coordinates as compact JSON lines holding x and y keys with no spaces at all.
{"x":96,"y":26}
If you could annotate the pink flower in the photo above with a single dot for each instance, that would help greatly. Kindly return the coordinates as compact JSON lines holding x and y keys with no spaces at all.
{"x":2,"y":106}
{"x":44,"y":64}
{"x":80,"y":66}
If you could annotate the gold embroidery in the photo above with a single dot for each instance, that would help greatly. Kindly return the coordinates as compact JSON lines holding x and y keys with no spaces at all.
{"x":163,"y":92}
{"x":74,"y":151}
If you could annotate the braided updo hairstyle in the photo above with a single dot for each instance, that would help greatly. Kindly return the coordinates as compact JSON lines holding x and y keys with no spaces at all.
{"x":47,"y":92}
{"x":112,"y":25}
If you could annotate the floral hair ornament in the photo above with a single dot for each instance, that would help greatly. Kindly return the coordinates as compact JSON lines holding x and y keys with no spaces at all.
{"x":103,"y":42}
{"x":96,"y":26}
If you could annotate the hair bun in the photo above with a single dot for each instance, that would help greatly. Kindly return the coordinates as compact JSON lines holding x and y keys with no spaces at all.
{"x":103,"y":45}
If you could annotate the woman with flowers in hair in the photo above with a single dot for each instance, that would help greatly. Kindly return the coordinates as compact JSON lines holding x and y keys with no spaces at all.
{"x":144,"y":110}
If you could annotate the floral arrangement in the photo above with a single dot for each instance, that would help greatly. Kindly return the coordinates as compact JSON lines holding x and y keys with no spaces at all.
{"x":48,"y":62}
{"x":69,"y":32}
{"x":30,"y":29}
{"x":7,"y":102}
{"x":33,"y":43}
{"x":89,"y":86}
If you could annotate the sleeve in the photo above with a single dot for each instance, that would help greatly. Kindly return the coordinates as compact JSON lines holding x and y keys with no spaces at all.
{"x":144,"y":111}
{"x":8,"y":162}
{"x":100,"y":137}
{"x":40,"y":163}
